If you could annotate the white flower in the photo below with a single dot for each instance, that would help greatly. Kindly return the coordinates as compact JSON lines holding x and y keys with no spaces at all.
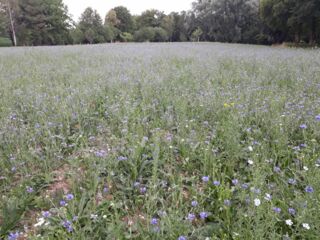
{"x":250,"y":149}
{"x":306,"y":226}
{"x":93,"y":216}
{"x":305,"y":168}
{"x":257,"y":202}
{"x":40,"y":222}
{"x":289,"y":222}
{"x":268,"y":197}
{"x":250,"y":162}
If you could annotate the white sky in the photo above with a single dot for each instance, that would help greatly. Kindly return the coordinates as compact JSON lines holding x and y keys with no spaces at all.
{"x":76,"y":7}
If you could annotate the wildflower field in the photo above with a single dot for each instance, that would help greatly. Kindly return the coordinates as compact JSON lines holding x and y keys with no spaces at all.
{"x":159,"y":141}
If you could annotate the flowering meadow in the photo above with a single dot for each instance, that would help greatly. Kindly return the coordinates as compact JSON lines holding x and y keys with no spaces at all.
{"x":159,"y":141}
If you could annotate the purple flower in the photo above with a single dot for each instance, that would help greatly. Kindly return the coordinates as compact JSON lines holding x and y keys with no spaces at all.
{"x":191,"y":217}
{"x":122,"y":158}
{"x":13,"y":169}
{"x":303,"y":126}
{"x":75,"y":218}
{"x":63,"y":203}
{"x":276,"y":169}
{"x":67,"y":225}
{"x":154,"y":221}
{"x":13,"y":236}
{"x":194,"y":203}
{"x":216,"y":183}
{"x":182,"y":238}
{"x":227,"y":202}
{"x":29,"y":189}
{"x":256,"y":190}
{"x":46,"y":214}
{"x":205,"y":179}
{"x":309,"y":189}
{"x":101,"y":153}
{"x":136,"y":184}
{"x":69,"y":197}
{"x":303,"y":145}
{"x":143,"y":190}
{"x":203,"y":215}
{"x":276,"y":209}
{"x":245,"y":186}
{"x":292,"y":211}
{"x":235,"y":181}
{"x":318,"y":118}
{"x":292,"y":181}
{"x":105,"y":190}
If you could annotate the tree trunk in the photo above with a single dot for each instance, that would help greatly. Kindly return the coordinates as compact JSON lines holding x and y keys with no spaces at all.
{"x":13,"y":32}
{"x":297,"y":37}
{"x":312,"y":32}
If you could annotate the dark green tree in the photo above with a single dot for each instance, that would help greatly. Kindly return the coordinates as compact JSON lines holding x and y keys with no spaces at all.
{"x":124,"y":19}
{"x":91,"y":26}
{"x":150,"y":18}
{"x":43,"y":22}
{"x":228,"y":20}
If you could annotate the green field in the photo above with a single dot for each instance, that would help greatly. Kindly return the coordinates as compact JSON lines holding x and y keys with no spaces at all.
{"x":159,"y":141}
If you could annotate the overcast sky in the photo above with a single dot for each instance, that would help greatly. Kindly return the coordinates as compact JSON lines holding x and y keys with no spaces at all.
{"x":76,"y":7}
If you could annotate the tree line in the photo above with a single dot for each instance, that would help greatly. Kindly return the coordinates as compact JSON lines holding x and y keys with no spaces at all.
{"x":47,"y":22}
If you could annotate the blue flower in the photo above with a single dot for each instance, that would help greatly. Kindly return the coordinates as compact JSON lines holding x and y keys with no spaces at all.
{"x":122,"y":158}
{"x":67,"y":225}
{"x":63,"y":203}
{"x":154,"y":221}
{"x":191,"y":217}
{"x":216,"y":183}
{"x":46,"y":214}
{"x":69,"y":197}
{"x":276,"y":169}
{"x":101,"y":153}
{"x":194,"y":203}
{"x":227,"y":202}
{"x":203,"y":215}
{"x":30,"y":189}
{"x":276,"y":209}
{"x":245,"y":186}
{"x":13,"y":236}
{"x":143,"y":190}
{"x":309,"y":189}
{"x":205,"y":179}
{"x":318,"y":118}
{"x":235,"y":181}
{"x":292,"y":181}
{"x":182,"y":238}
{"x":292,"y":211}
{"x":303,"y":126}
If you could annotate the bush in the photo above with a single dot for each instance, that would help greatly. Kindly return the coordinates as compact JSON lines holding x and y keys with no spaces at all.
{"x":5,"y":42}
{"x":126,"y":37}
{"x":161,"y":35}
{"x":146,"y":34}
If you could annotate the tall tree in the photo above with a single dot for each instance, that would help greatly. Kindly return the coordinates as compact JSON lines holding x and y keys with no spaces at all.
{"x":167,"y":24}
{"x":275,"y":14}
{"x":43,"y":22}
{"x":125,"y":22}
{"x":8,"y":13}
{"x":150,"y":18}
{"x":228,"y":20}
{"x":91,"y":26}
